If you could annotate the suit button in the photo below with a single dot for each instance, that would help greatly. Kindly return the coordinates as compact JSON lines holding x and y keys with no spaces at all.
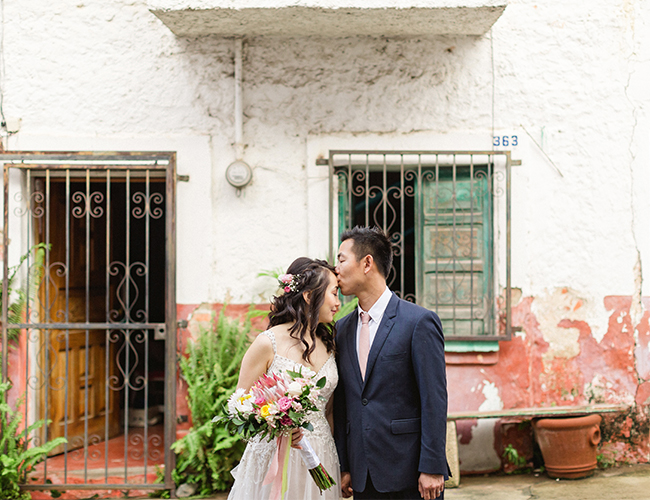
{"x":364,"y":401}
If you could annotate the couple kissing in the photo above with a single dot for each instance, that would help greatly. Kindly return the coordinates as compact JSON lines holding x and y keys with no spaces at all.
{"x":381,"y":426}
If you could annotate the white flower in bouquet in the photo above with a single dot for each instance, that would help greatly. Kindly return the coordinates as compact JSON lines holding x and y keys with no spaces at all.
{"x":240,"y":402}
{"x":295,"y":388}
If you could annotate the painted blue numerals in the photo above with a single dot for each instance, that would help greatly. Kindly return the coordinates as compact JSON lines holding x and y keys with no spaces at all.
{"x":505,"y":140}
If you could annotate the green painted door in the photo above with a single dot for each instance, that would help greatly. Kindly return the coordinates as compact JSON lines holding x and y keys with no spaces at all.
{"x":456,"y":236}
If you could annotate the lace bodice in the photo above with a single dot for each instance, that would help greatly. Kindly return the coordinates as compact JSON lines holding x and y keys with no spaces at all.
{"x":328,"y":370}
{"x":250,"y":473}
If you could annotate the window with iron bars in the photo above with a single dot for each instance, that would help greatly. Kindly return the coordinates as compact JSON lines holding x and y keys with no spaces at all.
{"x":447,"y":214}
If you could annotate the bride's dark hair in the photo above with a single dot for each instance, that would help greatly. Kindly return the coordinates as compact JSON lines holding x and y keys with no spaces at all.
{"x":291,"y":306}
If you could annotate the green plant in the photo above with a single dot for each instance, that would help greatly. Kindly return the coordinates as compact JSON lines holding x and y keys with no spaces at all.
{"x":17,"y":459}
{"x":511,"y":454}
{"x":604,"y":462}
{"x":18,"y":296}
{"x":208,"y":452}
{"x":160,"y":478}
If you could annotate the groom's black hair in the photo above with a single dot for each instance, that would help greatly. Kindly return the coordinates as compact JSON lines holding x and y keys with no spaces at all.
{"x":371,"y":241}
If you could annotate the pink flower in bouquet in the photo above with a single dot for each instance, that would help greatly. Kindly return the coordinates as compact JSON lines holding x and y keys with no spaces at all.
{"x":284,"y":403}
{"x":286,"y":421}
{"x":260,"y":401}
{"x":266,"y":381}
{"x":297,"y":406}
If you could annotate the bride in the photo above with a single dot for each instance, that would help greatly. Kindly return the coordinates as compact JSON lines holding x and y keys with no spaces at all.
{"x":301,"y":332}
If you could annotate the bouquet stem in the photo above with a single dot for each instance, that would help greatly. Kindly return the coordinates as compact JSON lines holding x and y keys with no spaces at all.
{"x":316,"y":470}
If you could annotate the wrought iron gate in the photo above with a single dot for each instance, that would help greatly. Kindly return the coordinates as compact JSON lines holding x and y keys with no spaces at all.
{"x":89,"y":313}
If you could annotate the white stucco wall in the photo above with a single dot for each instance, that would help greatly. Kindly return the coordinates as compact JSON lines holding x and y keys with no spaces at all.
{"x":110,"y":76}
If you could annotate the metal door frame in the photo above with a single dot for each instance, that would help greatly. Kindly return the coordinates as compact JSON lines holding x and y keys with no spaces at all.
{"x":99,"y":162}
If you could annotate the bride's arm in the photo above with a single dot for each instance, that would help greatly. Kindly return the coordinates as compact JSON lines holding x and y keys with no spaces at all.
{"x":256,"y":361}
{"x":329,"y":413}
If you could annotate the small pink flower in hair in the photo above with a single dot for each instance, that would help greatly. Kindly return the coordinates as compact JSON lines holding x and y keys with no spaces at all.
{"x":289,"y":282}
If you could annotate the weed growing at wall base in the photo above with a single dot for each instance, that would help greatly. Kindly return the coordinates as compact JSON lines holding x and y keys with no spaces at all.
{"x":17,"y":459}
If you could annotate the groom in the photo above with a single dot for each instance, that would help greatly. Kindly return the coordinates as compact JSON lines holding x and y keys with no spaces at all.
{"x":390,"y":406}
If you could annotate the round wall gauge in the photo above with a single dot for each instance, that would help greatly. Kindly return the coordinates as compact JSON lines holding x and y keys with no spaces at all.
{"x":239,"y":174}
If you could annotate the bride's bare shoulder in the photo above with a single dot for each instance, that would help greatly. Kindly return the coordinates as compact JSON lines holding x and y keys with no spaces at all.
{"x":262,"y":345}
{"x":280,"y":332}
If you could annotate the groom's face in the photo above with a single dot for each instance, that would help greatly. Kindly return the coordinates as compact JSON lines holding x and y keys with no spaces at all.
{"x":349,"y":270}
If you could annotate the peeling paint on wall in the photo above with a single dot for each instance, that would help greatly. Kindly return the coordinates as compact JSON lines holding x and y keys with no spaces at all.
{"x":542,"y":368}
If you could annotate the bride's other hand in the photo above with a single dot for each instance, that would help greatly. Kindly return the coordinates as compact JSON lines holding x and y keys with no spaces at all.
{"x":346,"y":485}
{"x":296,"y":437}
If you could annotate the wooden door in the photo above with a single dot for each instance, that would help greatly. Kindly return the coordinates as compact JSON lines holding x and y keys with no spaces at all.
{"x":80,"y":364}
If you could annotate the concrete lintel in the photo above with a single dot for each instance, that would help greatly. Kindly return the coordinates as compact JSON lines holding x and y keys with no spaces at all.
{"x":327,"y":18}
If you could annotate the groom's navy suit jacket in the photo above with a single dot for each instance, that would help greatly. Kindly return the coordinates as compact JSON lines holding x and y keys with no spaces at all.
{"x":393,"y":424}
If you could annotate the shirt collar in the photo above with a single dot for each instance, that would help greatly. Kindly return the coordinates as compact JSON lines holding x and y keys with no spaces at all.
{"x":378,"y":308}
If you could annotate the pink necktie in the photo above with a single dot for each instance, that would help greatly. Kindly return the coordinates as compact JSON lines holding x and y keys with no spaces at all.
{"x":364,"y":343}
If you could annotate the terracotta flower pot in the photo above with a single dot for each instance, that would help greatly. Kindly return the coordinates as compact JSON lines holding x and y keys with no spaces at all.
{"x":568,"y":445}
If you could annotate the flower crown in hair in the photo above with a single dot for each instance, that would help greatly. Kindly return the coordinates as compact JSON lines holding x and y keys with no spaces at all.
{"x":289,"y":282}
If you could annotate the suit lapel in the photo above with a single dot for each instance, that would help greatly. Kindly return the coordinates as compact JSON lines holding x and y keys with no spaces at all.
{"x":384,"y":329}
{"x":351,"y":345}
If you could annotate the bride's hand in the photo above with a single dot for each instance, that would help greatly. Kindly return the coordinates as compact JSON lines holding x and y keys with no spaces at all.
{"x":296,"y":437}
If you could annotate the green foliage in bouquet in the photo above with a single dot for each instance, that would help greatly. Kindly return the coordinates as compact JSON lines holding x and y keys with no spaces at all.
{"x":17,"y":459}
{"x":208,"y":452}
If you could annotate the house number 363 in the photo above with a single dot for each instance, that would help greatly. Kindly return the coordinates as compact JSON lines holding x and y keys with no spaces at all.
{"x":505,"y":140}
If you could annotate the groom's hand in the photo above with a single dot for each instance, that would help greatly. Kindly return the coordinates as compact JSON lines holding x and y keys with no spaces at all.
{"x":431,"y":485}
{"x":346,"y":485}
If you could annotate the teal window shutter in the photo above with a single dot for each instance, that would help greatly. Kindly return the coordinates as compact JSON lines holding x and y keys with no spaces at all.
{"x":457,"y":250}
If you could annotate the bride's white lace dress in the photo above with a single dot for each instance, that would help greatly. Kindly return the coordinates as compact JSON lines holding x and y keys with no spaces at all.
{"x":249,"y":474}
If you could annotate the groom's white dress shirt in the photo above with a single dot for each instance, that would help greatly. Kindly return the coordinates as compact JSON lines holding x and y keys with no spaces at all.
{"x":376,"y":313}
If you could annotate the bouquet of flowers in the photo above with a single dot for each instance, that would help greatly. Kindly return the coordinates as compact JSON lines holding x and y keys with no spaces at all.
{"x":272,"y":408}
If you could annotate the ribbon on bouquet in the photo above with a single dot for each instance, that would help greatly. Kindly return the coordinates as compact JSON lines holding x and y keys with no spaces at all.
{"x":277,"y":474}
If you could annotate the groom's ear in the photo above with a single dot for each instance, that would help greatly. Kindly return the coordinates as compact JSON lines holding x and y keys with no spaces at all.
{"x":368,"y":261}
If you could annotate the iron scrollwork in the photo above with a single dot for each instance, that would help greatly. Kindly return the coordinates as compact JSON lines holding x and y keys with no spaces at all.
{"x":86,"y":202}
{"x":147,"y":201}
{"x":127,"y":291}
{"x":34,"y":204}
{"x":129,"y":353}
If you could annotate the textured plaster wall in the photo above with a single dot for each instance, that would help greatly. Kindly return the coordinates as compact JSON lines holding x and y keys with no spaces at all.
{"x":93,"y":75}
